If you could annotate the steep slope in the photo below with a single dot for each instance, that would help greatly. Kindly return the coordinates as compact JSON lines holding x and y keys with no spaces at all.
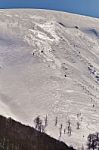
{"x":14,"y":135}
{"x":49,"y":64}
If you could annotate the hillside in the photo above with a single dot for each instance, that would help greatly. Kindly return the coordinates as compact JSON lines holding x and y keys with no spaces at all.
{"x":15,"y":136}
{"x":49,"y":65}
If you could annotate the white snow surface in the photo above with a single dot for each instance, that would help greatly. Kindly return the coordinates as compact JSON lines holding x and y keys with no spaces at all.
{"x":37,"y":49}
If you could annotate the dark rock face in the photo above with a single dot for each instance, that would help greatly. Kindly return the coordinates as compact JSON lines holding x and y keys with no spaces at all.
{"x":15,"y":136}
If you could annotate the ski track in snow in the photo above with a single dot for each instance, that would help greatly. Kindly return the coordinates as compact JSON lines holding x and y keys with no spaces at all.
{"x":49,"y":64}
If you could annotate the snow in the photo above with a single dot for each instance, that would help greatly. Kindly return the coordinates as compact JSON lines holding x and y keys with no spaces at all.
{"x":6,"y":113}
{"x":49,"y":66}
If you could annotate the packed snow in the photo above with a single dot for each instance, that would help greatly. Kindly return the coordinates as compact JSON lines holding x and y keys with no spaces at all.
{"x":49,"y":65}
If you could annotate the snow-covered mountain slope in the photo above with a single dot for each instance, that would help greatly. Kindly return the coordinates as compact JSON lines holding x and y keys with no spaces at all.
{"x":49,"y":64}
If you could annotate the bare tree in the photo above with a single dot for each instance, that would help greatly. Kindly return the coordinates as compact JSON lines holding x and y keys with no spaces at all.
{"x":38,"y":123}
{"x":69,"y":128}
{"x":46,"y":121}
{"x":60,"y":130}
{"x":64,"y":131}
{"x":56,"y":121}
{"x":78,"y":125}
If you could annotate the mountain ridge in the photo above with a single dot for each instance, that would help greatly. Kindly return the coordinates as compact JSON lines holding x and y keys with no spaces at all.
{"x":14,"y":135}
{"x":50,"y":66}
